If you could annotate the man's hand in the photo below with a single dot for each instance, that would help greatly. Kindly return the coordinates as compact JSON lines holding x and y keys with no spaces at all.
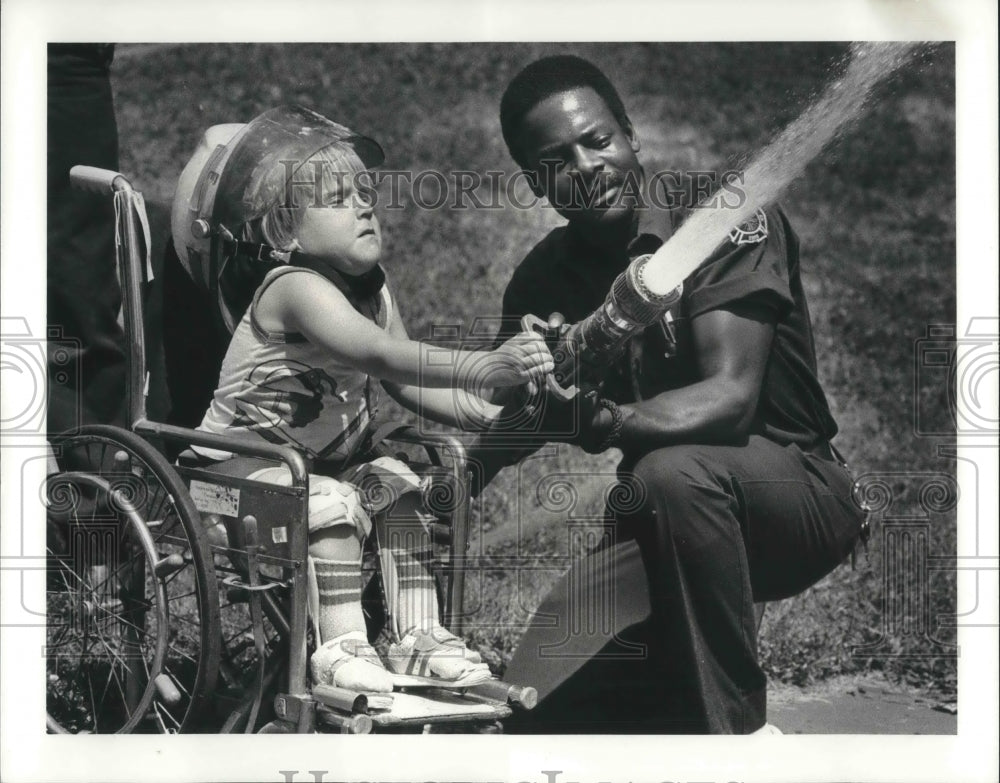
{"x":586,"y":420}
{"x":600,"y":423}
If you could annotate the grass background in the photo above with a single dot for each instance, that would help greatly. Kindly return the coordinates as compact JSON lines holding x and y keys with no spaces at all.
{"x":875,"y":213}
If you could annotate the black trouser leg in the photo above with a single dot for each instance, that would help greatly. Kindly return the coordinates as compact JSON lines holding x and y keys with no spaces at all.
{"x":721,"y":527}
{"x":87,"y":370}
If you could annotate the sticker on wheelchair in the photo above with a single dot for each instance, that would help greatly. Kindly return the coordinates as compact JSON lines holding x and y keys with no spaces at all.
{"x":215,"y":498}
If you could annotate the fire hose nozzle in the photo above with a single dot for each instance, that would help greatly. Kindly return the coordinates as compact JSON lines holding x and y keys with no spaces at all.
{"x":629,"y":308}
{"x":594,"y":343}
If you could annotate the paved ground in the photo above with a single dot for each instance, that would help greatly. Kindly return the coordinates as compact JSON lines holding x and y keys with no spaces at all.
{"x":859,"y":706}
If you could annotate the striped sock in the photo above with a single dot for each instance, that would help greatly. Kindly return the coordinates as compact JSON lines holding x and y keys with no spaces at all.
{"x":418,"y":606}
{"x":339,"y":583}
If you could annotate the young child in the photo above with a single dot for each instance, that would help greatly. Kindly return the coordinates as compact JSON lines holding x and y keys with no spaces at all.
{"x":284,"y":201}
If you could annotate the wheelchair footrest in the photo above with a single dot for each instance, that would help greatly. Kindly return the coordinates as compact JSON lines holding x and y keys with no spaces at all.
{"x":438,"y":706}
{"x":416,"y":681}
{"x":488,"y":701}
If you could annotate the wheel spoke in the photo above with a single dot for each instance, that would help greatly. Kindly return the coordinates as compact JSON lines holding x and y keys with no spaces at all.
{"x":238,"y":633}
{"x":178,"y":681}
{"x":105,"y":623}
{"x":164,"y":712}
{"x":174,"y":576}
{"x":185,"y":620}
{"x":182,"y":654}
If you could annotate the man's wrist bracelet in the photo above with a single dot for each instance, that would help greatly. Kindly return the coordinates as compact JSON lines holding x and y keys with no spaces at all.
{"x":617,"y":420}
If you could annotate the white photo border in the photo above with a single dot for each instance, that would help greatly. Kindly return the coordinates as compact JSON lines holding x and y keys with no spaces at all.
{"x":29,"y":754}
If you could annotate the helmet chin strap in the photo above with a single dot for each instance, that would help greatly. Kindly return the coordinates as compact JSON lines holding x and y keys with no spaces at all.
{"x":363,"y":286}
{"x":244,"y":265}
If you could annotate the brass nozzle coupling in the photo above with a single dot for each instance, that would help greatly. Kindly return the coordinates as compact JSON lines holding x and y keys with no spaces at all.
{"x":629,"y":308}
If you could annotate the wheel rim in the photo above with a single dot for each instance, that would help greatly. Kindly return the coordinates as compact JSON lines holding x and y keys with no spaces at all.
{"x":190,"y":616}
{"x":108,"y":622}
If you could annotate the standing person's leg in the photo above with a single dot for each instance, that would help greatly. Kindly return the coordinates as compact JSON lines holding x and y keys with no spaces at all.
{"x":720,"y":527}
{"x":87,"y":360}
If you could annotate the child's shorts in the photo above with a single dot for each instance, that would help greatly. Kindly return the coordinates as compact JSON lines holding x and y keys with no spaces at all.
{"x":349,"y":499}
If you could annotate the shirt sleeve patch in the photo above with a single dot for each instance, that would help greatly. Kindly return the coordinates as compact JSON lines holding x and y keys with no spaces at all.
{"x":750,"y":232}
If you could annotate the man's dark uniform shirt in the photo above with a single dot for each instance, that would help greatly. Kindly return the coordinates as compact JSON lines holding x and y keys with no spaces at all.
{"x":566,"y":274}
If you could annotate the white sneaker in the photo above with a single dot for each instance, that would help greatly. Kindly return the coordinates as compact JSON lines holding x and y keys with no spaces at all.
{"x":348,"y":661}
{"x":437,"y":654}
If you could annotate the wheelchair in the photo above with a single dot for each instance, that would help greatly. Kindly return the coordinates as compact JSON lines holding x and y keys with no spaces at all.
{"x":177,"y":595}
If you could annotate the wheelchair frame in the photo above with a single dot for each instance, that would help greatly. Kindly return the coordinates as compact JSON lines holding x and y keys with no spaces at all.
{"x":269,"y":536}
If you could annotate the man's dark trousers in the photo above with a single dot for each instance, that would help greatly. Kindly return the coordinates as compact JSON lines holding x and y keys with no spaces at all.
{"x":718,"y":528}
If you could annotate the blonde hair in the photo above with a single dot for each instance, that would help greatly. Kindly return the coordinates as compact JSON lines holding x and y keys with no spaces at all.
{"x":279,"y":226}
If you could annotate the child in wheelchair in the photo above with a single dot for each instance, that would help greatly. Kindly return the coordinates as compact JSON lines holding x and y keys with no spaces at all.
{"x":276,"y":217}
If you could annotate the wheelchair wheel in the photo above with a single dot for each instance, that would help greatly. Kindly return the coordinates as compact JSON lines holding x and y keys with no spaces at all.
{"x":133,"y":638}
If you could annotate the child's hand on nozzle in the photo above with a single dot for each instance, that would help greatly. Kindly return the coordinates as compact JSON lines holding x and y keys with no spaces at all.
{"x":524,"y":358}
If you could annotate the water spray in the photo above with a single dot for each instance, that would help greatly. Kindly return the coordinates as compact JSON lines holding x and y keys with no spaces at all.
{"x":652,"y":283}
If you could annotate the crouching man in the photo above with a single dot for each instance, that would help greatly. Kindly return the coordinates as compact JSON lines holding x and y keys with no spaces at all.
{"x":724,"y":427}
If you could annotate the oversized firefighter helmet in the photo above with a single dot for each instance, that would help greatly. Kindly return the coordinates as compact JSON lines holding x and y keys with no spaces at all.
{"x":227,"y":182}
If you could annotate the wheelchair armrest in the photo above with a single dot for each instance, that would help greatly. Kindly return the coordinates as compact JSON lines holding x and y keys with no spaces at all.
{"x":433,"y":443}
{"x":284,"y":454}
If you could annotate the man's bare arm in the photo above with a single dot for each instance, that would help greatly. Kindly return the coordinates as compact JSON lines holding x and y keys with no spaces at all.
{"x":733,"y":347}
